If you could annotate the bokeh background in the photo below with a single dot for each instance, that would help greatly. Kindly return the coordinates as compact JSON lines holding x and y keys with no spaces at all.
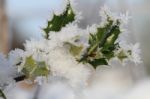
{"x":24,"y":19}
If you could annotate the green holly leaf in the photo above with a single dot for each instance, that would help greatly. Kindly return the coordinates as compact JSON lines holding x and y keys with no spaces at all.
{"x":98,"y":62}
{"x":103,"y":41}
{"x":29,"y":66}
{"x":2,"y":94}
{"x":41,"y":69}
{"x":74,"y":49}
{"x":33,"y":69}
{"x":122,"y":55}
{"x":108,"y":54}
{"x":60,"y":21}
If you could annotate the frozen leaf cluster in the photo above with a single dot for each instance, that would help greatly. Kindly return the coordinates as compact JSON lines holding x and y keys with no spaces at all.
{"x":69,"y":52}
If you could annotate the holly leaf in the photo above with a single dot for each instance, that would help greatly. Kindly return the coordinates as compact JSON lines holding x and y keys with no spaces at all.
{"x":60,"y":21}
{"x":98,"y":62}
{"x":74,"y":49}
{"x":2,"y":94}
{"x":33,"y":69}
{"x":41,"y":69}
{"x":122,"y":55}
{"x":103,"y":41}
{"x":29,"y":66}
